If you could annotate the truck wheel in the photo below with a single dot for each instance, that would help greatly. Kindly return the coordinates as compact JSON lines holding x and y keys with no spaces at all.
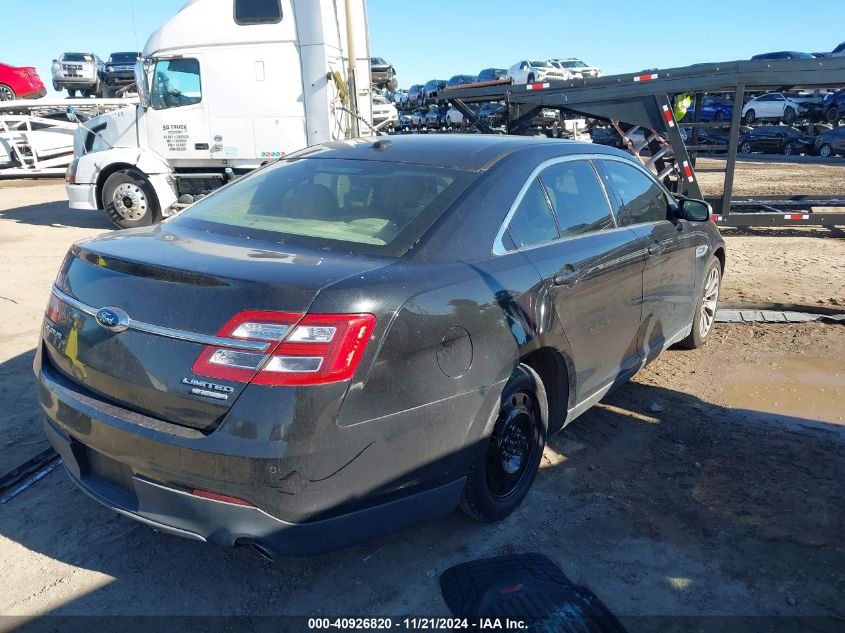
{"x":505,"y":463}
{"x":129,"y":199}
{"x":705,"y":308}
{"x":6,"y":93}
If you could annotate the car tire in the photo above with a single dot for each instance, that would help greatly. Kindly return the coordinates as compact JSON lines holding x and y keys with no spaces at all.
{"x":71,"y":92}
{"x":57,"y":87}
{"x":789,"y":149}
{"x":505,"y":464}
{"x":745,"y":147}
{"x":129,"y":199}
{"x":529,"y":80}
{"x":789,"y":116}
{"x":750,"y":117}
{"x":825,"y":151}
{"x":6,"y":93}
{"x":719,"y":116}
{"x":705,"y":307}
{"x":832,"y":114}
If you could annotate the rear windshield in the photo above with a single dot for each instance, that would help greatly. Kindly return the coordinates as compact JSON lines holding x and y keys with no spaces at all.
{"x":341,"y":205}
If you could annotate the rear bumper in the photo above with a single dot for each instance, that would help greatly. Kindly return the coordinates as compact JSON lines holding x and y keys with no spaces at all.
{"x":153,"y":468}
{"x":180,"y":513}
{"x":82,"y":197}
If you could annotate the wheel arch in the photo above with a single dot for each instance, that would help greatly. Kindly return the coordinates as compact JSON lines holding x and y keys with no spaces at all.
{"x":719,"y":254}
{"x":557,"y":374}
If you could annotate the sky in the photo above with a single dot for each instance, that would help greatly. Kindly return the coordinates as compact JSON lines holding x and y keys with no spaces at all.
{"x":436,"y":39}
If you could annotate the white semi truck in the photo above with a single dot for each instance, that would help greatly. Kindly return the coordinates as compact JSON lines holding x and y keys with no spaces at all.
{"x":225,"y":86}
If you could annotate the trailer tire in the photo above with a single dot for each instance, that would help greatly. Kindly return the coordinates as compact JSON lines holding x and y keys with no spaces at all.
{"x":130,"y":200}
{"x":6,"y":93}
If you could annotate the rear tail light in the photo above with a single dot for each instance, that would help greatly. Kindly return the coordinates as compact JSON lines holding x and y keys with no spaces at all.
{"x":304,"y":350}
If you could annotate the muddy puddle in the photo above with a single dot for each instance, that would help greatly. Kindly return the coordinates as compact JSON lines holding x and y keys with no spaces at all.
{"x":803,"y":387}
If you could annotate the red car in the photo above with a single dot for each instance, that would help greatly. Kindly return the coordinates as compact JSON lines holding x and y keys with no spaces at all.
{"x":20,"y":83}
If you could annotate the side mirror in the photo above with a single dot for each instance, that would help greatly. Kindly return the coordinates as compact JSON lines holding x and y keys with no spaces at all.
{"x":71,"y":114}
{"x":695,"y":210}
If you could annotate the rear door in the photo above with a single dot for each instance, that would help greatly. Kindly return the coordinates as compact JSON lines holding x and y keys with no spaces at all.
{"x":592,"y":269}
{"x":670,"y":246}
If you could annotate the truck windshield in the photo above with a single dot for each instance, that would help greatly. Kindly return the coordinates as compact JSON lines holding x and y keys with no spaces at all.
{"x":176,"y":83}
{"x":361,"y":206}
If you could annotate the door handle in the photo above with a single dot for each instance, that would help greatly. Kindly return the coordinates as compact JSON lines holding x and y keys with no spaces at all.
{"x":568,"y":277}
{"x":656,"y":248}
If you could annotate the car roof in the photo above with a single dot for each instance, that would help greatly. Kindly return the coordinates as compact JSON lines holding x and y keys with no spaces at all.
{"x":471,"y":152}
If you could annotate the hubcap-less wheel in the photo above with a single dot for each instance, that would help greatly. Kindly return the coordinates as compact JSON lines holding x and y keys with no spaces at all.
{"x":745,"y":148}
{"x":824,"y":151}
{"x":130,"y":201}
{"x":6,"y":93}
{"x":708,"y":304}
{"x":750,"y":116}
{"x":788,"y":149}
{"x":512,"y":446}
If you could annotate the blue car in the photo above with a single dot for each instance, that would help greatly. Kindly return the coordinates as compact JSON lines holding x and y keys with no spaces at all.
{"x":711,"y":110}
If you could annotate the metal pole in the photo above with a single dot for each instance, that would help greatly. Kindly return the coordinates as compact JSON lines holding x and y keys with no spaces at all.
{"x":351,"y":80}
{"x":733,"y":143}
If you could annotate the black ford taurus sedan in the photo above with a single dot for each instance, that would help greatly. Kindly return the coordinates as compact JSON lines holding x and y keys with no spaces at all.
{"x":365,"y":334}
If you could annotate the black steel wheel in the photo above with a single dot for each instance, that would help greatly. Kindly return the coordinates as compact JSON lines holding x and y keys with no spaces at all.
{"x":505,"y":464}
{"x":832,"y":114}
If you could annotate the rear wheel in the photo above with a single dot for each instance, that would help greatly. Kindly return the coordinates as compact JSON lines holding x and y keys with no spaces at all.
{"x":789,"y":149}
{"x":745,"y":147}
{"x":705,"y":309}
{"x":505,"y":464}
{"x":6,"y":93}
{"x":719,"y":116}
{"x":129,"y":199}
{"x":832,"y":114}
{"x":825,"y":150}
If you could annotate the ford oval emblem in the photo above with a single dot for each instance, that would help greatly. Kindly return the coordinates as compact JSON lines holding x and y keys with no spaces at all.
{"x":113,"y":319}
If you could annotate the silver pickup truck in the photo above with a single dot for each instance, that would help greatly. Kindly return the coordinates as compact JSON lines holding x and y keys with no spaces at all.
{"x":77,"y":71}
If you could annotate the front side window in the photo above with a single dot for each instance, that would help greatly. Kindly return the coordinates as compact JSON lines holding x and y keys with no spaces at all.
{"x":533,"y":222}
{"x":341,"y":205}
{"x":249,"y":12}
{"x":176,"y":83}
{"x":643,"y":198}
{"x":577,"y":198}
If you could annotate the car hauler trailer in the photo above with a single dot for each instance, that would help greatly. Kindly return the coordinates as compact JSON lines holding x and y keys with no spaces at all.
{"x":644,"y":101}
{"x":225,"y":86}
{"x":36,"y":137}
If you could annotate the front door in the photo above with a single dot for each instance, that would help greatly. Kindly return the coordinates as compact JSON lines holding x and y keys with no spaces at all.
{"x":670,"y":246}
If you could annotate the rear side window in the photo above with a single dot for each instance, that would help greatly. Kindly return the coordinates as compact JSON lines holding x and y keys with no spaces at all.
{"x":340,"y":205}
{"x":258,"y":12}
{"x":533,"y":222}
{"x":577,"y":198}
{"x":643,"y":198}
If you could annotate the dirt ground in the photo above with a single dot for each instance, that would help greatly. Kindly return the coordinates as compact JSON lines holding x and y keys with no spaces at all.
{"x":710,"y":485}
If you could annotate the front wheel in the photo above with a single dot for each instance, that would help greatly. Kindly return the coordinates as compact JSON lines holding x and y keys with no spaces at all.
{"x":129,"y":199}
{"x":705,"y":309}
{"x":789,"y":116}
{"x":745,"y":147}
{"x":506,"y":462}
{"x":825,"y":151}
{"x":71,"y":92}
{"x":832,"y":114}
{"x":719,"y":116}
{"x":750,"y":117}
{"x":789,"y":149}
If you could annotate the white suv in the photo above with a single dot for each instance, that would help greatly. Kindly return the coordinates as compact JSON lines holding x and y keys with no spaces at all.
{"x":576,"y":66}
{"x":772,"y":105}
{"x":530,"y":71}
{"x":77,"y":71}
